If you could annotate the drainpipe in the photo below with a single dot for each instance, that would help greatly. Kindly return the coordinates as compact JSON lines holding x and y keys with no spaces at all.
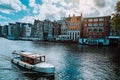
{"x":118,"y":38}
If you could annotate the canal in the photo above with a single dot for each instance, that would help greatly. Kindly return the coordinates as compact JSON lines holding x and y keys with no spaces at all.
{"x":72,"y":61}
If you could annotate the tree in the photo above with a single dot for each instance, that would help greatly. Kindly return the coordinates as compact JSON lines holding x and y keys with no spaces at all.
{"x":116,"y":18}
{"x":117,"y":8}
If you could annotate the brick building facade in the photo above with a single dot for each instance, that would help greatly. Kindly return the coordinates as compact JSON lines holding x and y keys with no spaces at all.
{"x":96,"y":27}
{"x":95,"y":30}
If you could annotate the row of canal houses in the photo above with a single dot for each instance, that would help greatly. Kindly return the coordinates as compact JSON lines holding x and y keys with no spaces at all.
{"x":40,"y":30}
{"x":16,"y":30}
{"x":45,"y":30}
{"x":91,"y":30}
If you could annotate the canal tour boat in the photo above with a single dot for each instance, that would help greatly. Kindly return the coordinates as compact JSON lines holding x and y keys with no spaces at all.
{"x":32,"y":61}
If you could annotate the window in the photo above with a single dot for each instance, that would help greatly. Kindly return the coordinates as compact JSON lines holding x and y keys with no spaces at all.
{"x":101,"y":24}
{"x":42,"y":59}
{"x":90,"y":20}
{"x":100,"y":30}
{"x":71,"y":24}
{"x":95,"y":20}
{"x":95,"y":24}
{"x":85,"y":20}
{"x":101,"y":19}
{"x":73,"y":19}
{"x":95,"y":30}
{"x":90,"y":24}
{"x":85,"y":24}
{"x":89,"y":30}
{"x":77,"y":24}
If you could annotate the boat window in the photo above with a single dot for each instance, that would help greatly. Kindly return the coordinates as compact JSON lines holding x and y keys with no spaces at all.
{"x":43,"y":59}
{"x":38,"y":60}
{"x":24,"y":59}
{"x":31,"y":61}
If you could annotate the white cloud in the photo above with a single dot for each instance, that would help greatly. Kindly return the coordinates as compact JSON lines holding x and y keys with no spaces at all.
{"x":35,"y":6}
{"x":55,"y":9}
{"x":5,"y":11}
{"x":4,"y":18}
{"x":8,"y":6}
{"x":65,"y":4}
{"x":27,"y":19}
{"x":47,"y":10}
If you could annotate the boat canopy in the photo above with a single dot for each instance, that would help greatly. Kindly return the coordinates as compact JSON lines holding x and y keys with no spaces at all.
{"x":30,"y":57}
{"x":28,"y":54}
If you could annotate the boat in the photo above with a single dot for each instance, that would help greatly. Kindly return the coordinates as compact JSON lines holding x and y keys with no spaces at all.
{"x":32,"y":61}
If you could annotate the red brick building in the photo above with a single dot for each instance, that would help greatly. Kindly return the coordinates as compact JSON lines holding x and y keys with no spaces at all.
{"x":96,"y":27}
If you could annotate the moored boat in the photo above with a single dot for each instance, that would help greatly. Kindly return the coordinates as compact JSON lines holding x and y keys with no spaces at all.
{"x":32,"y":61}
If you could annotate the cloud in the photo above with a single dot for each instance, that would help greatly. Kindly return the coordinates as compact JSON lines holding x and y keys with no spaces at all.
{"x":4,"y":18}
{"x":47,"y":10}
{"x":34,"y":5}
{"x":55,"y":9}
{"x":27,"y":19}
{"x":100,"y":3}
{"x":9,"y":6}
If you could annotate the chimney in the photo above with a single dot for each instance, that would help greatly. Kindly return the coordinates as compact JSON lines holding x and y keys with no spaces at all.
{"x":69,"y":15}
{"x":73,"y":14}
{"x":81,"y":14}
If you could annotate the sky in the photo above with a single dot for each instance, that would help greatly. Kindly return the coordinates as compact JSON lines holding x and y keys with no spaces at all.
{"x":27,"y":11}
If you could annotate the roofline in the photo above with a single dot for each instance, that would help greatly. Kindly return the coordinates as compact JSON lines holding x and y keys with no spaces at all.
{"x":95,"y":17}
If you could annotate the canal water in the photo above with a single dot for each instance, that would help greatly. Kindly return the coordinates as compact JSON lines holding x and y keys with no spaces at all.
{"x":72,"y":61}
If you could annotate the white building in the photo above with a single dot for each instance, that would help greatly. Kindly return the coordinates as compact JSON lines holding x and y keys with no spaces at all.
{"x":70,"y":29}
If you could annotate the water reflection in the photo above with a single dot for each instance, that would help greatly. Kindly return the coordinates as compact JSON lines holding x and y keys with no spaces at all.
{"x":72,"y":61}
{"x":38,"y":77}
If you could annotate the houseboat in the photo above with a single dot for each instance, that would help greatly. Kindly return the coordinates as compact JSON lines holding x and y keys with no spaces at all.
{"x":32,"y":61}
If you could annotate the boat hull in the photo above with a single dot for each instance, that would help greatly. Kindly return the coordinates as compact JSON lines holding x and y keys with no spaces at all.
{"x":47,"y":70}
